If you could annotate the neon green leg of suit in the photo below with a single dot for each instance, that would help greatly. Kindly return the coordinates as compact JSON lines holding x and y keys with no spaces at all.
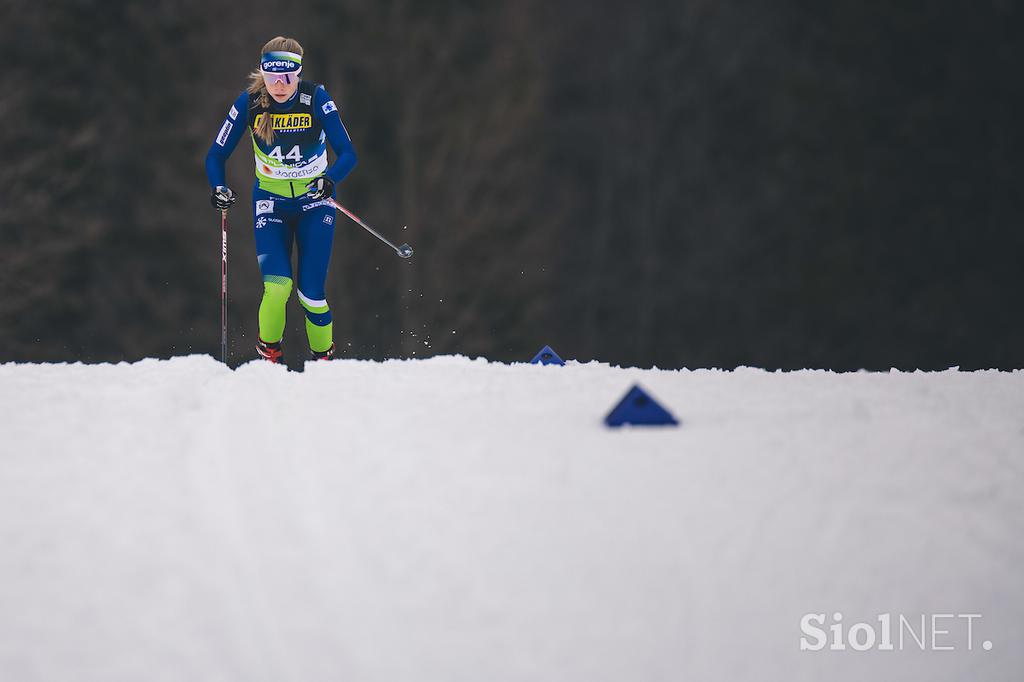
{"x":276,"y":290}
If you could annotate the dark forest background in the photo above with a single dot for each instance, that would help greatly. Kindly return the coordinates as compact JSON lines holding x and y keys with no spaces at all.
{"x":788,"y":184}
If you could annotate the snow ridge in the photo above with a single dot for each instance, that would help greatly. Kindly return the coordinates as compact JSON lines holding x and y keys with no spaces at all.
{"x":458,"y":519}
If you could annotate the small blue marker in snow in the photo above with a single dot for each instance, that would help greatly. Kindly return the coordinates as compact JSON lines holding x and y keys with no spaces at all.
{"x":547,"y":356}
{"x":638,"y":408}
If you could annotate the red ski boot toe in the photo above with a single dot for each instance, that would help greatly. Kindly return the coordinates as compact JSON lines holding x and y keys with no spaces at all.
{"x":271,"y":352}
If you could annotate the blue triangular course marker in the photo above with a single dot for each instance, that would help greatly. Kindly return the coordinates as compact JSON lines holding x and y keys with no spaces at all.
{"x":636,"y":407}
{"x":546,"y":356}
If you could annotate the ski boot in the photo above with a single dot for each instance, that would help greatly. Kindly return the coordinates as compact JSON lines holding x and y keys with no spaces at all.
{"x":324,"y":354}
{"x":271,"y":352}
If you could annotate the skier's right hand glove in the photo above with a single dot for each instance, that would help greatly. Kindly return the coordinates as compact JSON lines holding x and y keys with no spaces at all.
{"x":222,"y":198}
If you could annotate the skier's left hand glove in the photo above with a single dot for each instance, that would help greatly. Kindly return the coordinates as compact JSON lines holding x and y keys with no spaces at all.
{"x":320,"y":188}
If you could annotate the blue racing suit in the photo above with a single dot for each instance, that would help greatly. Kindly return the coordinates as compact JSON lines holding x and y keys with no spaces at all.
{"x":282,"y":214}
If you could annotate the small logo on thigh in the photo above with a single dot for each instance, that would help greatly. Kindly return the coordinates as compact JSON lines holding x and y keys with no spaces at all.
{"x":261,"y":222}
{"x":328,"y":219}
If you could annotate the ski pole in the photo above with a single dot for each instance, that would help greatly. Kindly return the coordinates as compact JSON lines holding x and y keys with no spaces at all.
{"x":405,"y":251}
{"x":224,"y":286}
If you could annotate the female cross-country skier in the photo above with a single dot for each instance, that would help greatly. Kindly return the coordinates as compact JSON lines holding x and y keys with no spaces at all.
{"x":290,"y":121}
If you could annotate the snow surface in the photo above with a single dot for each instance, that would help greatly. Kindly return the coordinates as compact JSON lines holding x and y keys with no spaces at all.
{"x":452,"y":519}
